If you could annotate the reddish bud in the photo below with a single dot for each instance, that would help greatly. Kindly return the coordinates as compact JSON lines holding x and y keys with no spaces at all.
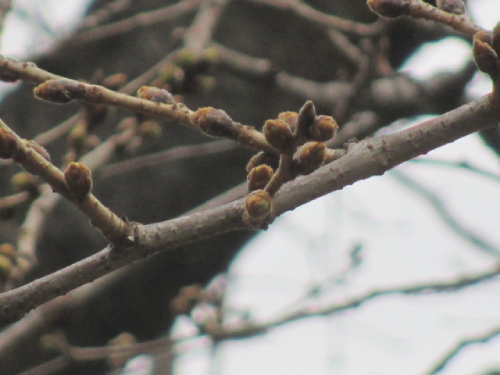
{"x":215,"y":122}
{"x":278,"y":134}
{"x":485,"y":57}
{"x":389,"y":8}
{"x":60,"y":91}
{"x":79,"y":180}
{"x":257,"y":206}
{"x":309,"y":157}
{"x":323,"y":128}
{"x":156,"y":95}
{"x":451,"y":6}
{"x":259,"y":177}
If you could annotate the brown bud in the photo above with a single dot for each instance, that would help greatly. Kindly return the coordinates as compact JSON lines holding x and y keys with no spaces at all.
{"x":495,"y":39}
{"x":8,"y":144}
{"x":171,"y":75}
{"x":258,"y":205}
{"x":289,"y":117}
{"x":156,"y":95}
{"x":485,"y":57}
{"x":259,"y":177}
{"x":24,"y":181}
{"x":59,"y":91}
{"x":278,"y":134}
{"x":78,"y":179}
{"x":389,"y":8}
{"x":323,"y":128}
{"x":262,"y":158}
{"x":150,"y":130}
{"x":309,"y":157}
{"x":305,"y":119}
{"x":451,"y":6}
{"x":38,"y":149}
{"x":215,"y":122}
{"x":8,"y":250}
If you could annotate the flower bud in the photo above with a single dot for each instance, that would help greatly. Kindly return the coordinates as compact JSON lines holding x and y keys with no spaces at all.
{"x":115,"y":81}
{"x":278,"y":134}
{"x":259,"y":177}
{"x":309,"y":157}
{"x":323,"y":128}
{"x":156,"y":95}
{"x":485,"y":57}
{"x":262,"y":158}
{"x":215,"y":122}
{"x":290,"y":118}
{"x":389,"y":8}
{"x":451,"y":6}
{"x":150,"y":130}
{"x":59,"y":91}
{"x":77,"y":137}
{"x":305,"y":119}
{"x":258,"y":205}
{"x":79,"y":180}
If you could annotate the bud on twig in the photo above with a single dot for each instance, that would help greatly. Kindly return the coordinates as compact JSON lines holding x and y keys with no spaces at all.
{"x":485,"y":57}
{"x":114,"y":81}
{"x":150,"y":130}
{"x":156,"y":95}
{"x":262,"y":158}
{"x":59,"y":91}
{"x":289,"y":117}
{"x":259,"y":177}
{"x":257,"y":206}
{"x":78,"y":179}
{"x":24,"y":181}
{"x":451,"y":6}
{"x":323,"y":128}
{"x":389,"y":8}
{"x":309,"y":157}
{"x":77,"y":137}
{"x":305,"y":119}
{"x":278,"y":134}
{"x":215,"y":122}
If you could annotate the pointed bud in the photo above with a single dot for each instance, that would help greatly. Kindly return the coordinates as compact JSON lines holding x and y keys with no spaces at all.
{"x":309,"y":157}
{"x":215,"y":122}
{"x":323,"y":128}
{"x":278,"y":134}
{"x":156,"y":95}
{"x":259,"y":177}
{"x":305,"y":119}
{"x":257,"y":206}
{"x":485,"y":57}
{"x":8,"y":144}
{"x":290,"y":118}
{"x":24,"y":181}
{"x":389,"y":8}
{"x":59,"y":91}
{"x":262,"y":158}
{"x":79,"y":180}
{"x":451,"y":6}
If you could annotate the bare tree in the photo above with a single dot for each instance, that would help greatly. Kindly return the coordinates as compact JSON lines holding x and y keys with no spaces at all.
{"x":153,"y":129}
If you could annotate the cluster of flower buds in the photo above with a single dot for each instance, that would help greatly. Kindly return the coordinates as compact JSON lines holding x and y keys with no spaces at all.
{"x":299,"y":140}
